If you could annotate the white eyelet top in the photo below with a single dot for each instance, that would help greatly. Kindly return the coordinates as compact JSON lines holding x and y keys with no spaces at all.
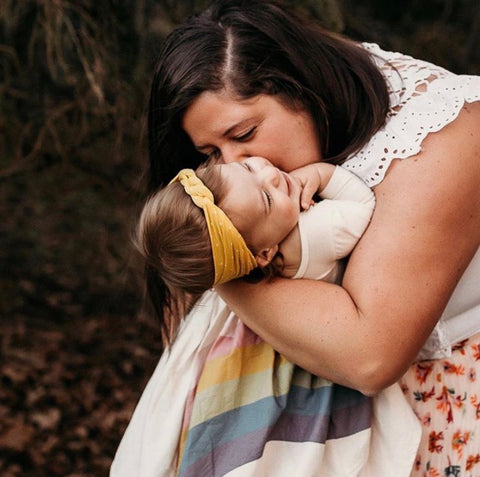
{"x":424,"y":98}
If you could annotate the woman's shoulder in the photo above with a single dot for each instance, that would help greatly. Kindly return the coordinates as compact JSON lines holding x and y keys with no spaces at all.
{"x":455,"y":148}
{"x":424,"y":98}
{"x":447,"y":160}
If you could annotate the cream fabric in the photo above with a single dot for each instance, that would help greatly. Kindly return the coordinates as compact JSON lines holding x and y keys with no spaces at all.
{"x":424,"y":98}
{"x":330,"y":229}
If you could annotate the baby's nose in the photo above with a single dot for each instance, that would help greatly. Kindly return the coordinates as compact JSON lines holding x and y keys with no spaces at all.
{"x":271,"y":175}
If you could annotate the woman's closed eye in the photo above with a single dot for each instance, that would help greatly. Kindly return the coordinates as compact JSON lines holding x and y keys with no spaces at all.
{"x":246,"y":135}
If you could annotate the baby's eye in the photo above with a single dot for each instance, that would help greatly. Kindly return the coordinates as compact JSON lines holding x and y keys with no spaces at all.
{"x":247,"y":166}
{"x":269,"y":199}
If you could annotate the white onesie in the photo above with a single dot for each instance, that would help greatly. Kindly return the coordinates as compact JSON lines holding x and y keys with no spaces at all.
{"x":330,"y":229}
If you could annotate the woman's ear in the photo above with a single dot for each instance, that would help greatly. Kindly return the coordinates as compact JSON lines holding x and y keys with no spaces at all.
{"x":264,"y":257}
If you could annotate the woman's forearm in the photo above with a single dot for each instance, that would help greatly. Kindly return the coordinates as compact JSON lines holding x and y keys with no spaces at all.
{"x":287,"y":314}
{"x":318,"y":326}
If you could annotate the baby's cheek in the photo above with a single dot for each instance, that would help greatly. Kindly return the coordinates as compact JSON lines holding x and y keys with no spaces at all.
{"x":295,"y":213}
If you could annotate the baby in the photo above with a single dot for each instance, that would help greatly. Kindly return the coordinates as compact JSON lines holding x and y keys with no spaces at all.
{"x":226,"y":220}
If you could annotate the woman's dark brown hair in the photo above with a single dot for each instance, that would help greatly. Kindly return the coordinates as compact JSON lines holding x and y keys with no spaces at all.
{"x":257,"y":47}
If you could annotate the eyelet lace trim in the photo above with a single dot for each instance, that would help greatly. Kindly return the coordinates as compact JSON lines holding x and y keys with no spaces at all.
{"x":424,"y":98}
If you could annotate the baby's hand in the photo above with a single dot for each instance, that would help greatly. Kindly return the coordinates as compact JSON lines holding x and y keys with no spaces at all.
{"x":310,"y":180}
{"x":313,"y":178}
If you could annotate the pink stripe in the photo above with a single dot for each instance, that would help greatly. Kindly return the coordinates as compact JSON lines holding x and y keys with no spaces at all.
{"x":233,"y":336}
{"x":187,"y":414}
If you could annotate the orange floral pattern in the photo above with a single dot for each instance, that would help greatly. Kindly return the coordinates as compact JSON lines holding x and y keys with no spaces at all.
{"x":445,"y":395}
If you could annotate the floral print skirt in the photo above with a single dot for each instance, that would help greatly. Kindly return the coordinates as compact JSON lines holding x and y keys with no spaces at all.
{"x":445,"y":395}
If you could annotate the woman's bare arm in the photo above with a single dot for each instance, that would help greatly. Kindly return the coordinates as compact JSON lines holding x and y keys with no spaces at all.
{"x":424,"y":231}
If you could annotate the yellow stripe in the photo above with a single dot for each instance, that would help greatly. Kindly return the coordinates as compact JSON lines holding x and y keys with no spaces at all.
{"x":245,"y":376}
{"x":241,"y":362}
{"x":236,"y":393}
{"x":304,"y":379}
{"x":181,"y":449}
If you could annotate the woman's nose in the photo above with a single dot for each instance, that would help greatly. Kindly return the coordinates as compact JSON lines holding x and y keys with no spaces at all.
{"x":233,"y":154}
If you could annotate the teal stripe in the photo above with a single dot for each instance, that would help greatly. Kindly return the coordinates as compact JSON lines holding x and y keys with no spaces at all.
{"x":263,"y":413}
{"x":350,"y":417}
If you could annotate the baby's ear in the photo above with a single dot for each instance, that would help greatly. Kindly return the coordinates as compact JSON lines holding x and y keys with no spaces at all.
{"x":264,"y":257}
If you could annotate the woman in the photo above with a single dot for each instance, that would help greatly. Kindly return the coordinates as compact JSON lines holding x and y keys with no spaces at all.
{"x":247,"y":78}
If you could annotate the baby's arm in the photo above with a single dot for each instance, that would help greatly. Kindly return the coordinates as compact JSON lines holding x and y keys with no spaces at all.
{"x":313,"y":178}
{"x":329,"y":230}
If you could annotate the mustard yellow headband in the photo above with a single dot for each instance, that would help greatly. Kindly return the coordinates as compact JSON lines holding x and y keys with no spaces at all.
{"x":231,"y":256}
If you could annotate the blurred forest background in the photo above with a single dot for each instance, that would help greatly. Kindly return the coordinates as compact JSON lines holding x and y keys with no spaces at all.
{"x":76,"y":346}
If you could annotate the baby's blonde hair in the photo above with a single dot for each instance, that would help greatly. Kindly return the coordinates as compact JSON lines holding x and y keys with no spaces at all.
{"x":173,"y":239}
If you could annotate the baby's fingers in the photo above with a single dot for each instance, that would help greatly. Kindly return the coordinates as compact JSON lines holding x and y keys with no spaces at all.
{"x":306,"y":197}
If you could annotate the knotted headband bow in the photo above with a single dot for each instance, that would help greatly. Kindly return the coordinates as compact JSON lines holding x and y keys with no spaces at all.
{"x":231,"y":256}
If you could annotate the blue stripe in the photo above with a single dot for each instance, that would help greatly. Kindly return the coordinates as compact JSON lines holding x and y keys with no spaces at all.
{"x":301,"y":415}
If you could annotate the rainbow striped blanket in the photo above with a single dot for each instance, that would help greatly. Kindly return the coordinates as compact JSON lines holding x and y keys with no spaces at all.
{"x":223,"y":403}
{"x":248,"y":395}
